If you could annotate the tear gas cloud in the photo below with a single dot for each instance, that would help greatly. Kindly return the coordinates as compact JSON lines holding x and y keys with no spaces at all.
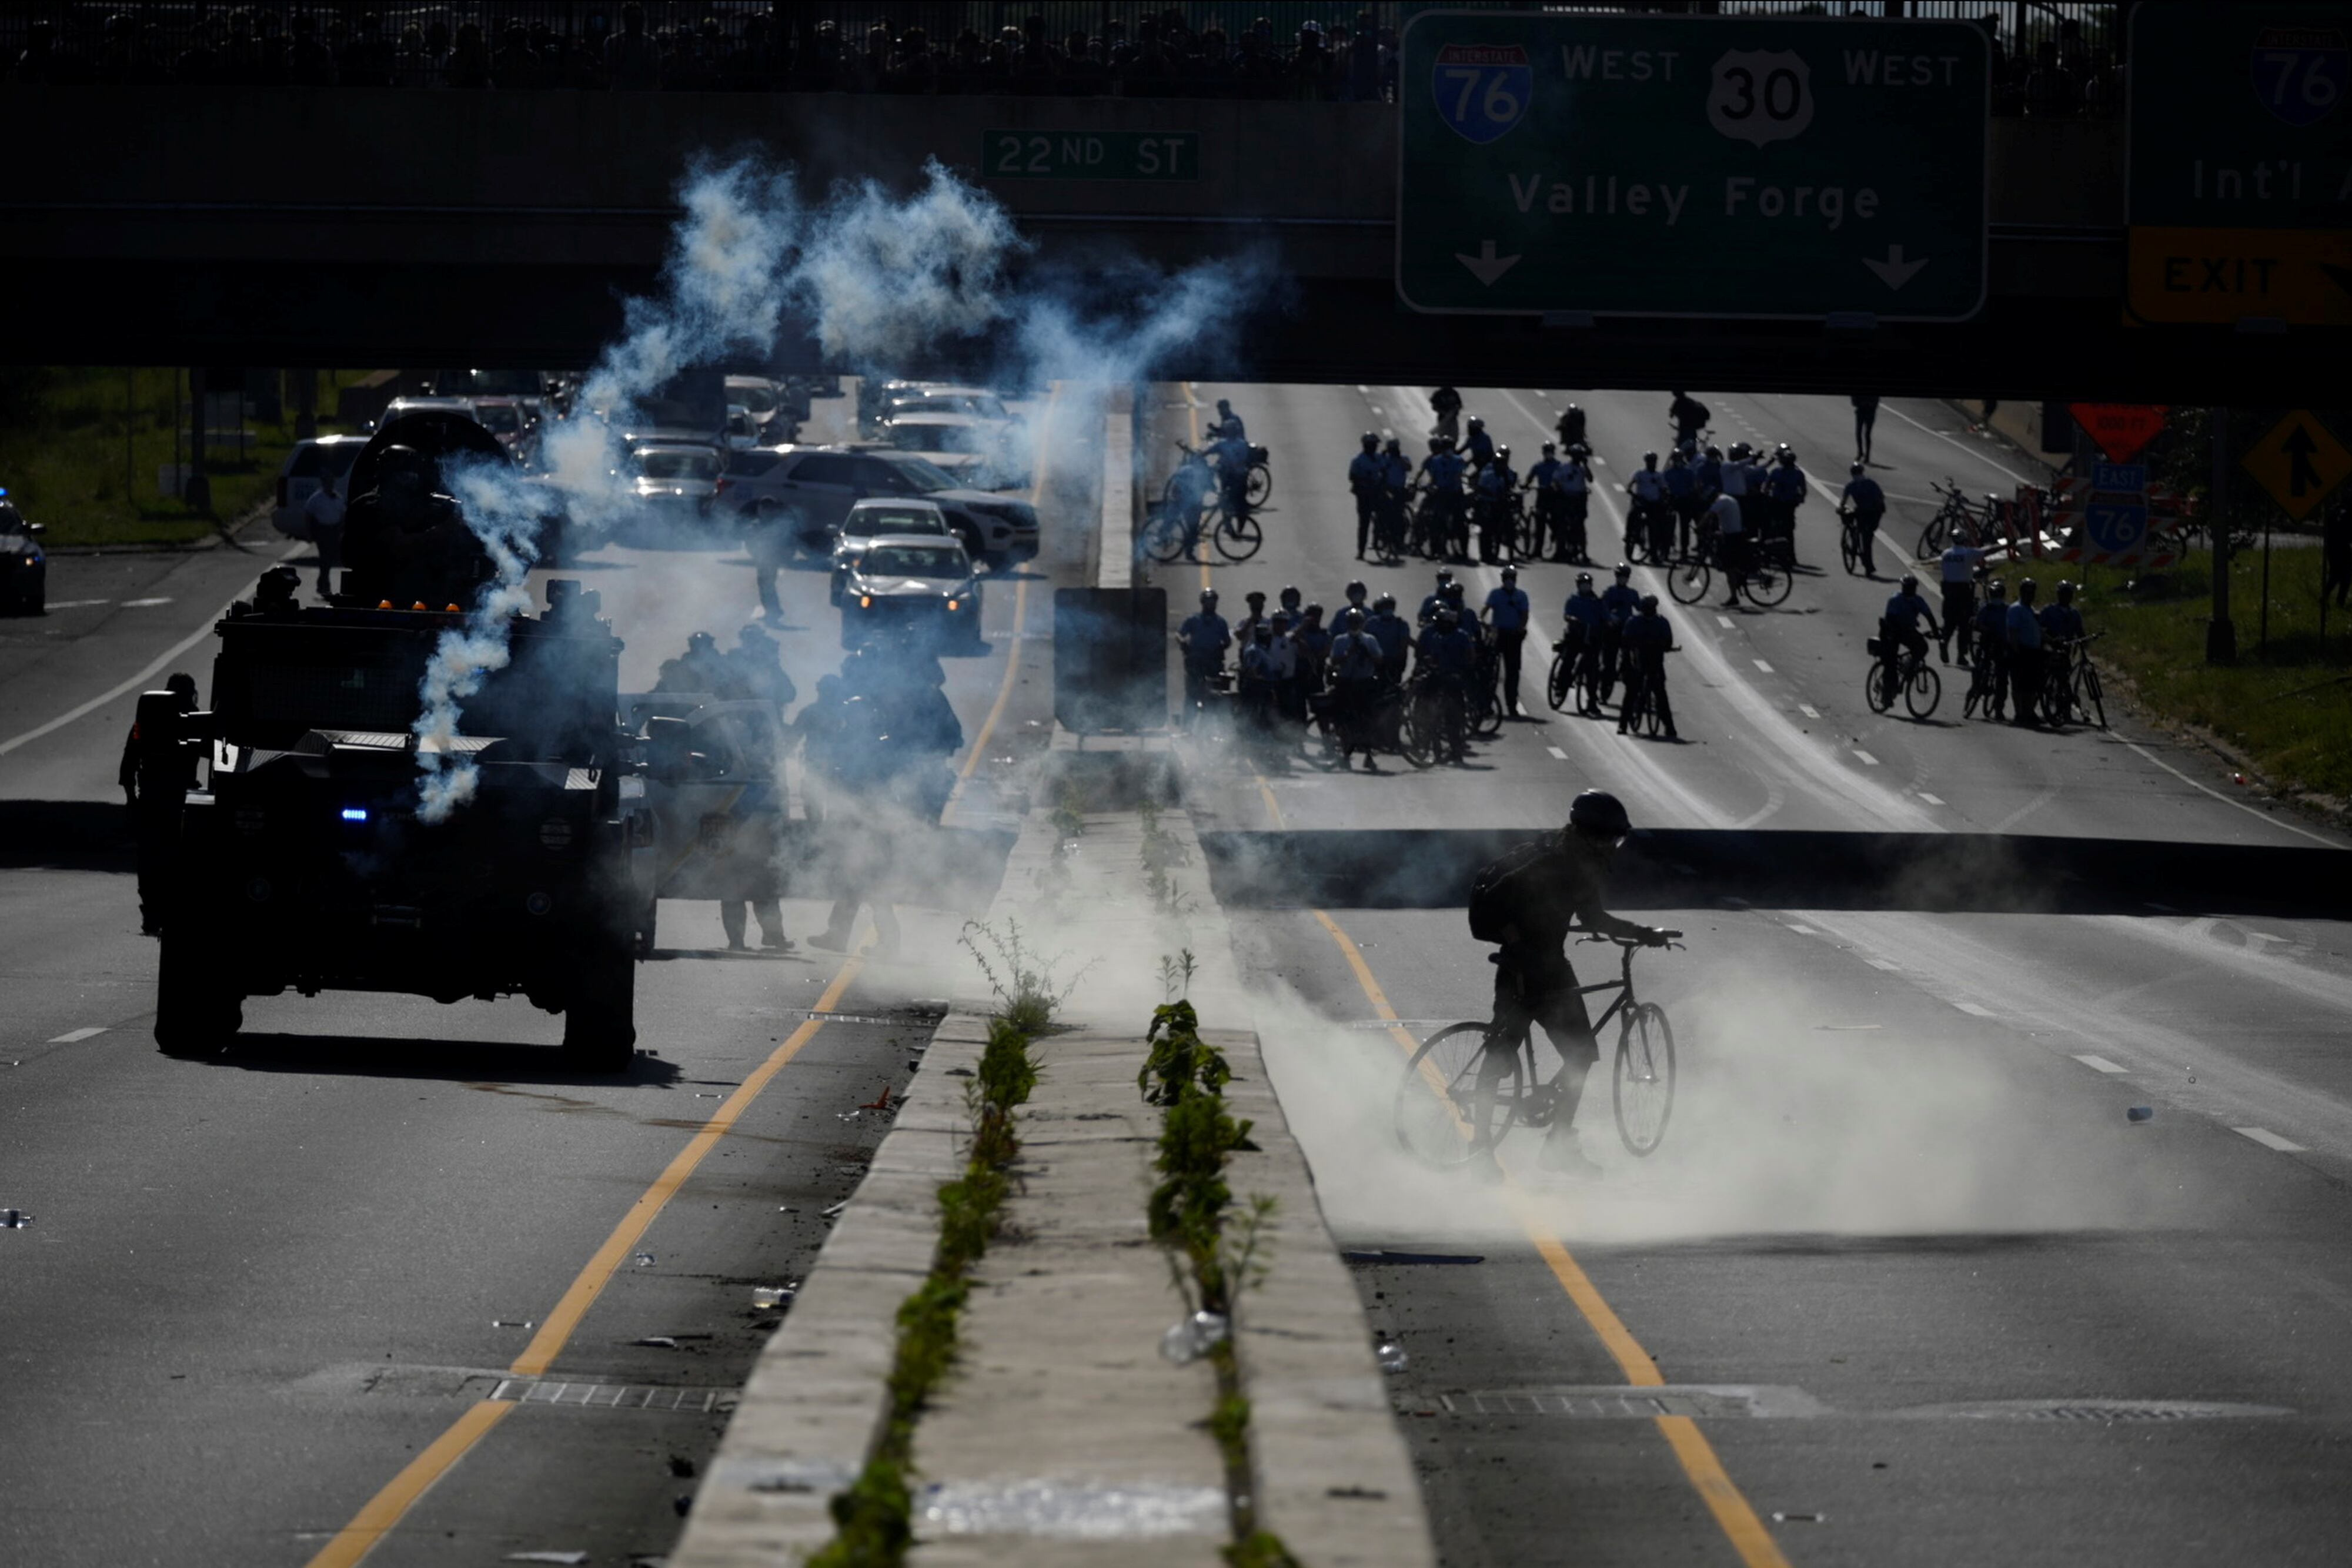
{"x":879,"y":280}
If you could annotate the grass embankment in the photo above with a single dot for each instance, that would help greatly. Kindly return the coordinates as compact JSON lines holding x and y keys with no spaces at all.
{"x":2288,"y":708}
{"x":81,"y":445}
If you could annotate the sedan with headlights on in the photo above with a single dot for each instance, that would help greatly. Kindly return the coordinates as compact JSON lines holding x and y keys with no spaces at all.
{"x":912,"y":587}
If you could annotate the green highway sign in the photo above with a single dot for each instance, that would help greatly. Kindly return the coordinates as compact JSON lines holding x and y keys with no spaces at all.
{"x":2241,"y":175}
{"x":1641,"y":166}
{"x":1090,"y":154}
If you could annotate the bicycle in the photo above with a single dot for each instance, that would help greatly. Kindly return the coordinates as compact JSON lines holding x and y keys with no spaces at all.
{"x":1168,"y":538}
{"x":1954,"y":519}
{"x":1987,"y":691}
{"x":1909,"y":674}
{"x":1501,"y":520}
{"x":1436,"y":1110}
{"x":1433,"y":730}
{"x":1854,"y":540}
{"x":2071,"y":682}
{"x":2089,"y":694}
{"x":1391,"y":528}
{"x":1650,"y":533}
{"x":1575,"y":672}
{"x":1765,"y":580}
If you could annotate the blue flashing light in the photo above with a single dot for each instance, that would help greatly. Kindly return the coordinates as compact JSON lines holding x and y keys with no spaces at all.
{"x":355,"y":814}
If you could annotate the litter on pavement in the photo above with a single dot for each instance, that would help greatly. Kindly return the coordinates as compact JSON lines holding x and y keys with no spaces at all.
{"x":14,"y":1219}
{"x":2141,"y":1114}
{"x":1190,"y":1339}
{"x":771,"y":1295}
{"x":1391,"y":1355}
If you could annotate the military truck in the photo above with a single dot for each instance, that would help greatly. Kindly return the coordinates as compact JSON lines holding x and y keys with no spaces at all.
{"x":307,"y":862}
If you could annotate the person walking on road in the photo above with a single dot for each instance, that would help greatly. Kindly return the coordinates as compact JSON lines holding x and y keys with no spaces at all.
{"x":1960,"y":563}
{"x":2024,"y":655}
{"x":156,"y":775}
{"x":1867,"y":502}
{"x":1866,"y":421}
{"x":1506,"y":616}
{"x":324,"y":512}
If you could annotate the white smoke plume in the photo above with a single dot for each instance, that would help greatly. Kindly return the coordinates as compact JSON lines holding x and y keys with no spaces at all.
{"x":879,"y":280}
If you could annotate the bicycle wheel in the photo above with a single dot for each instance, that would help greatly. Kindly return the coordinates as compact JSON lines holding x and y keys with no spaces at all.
{"x":1561,"y":683}
{"x":1484,"y":718}
{"x":1849,"y":550}
{"x":1257,"y":485}
{"x":1642,"y":1088}
{"x":1688,"y":581}
{"x":1922,"y":691}
{"x":1238,"y":538}
{"x":1767,"y":583}
{"x":1163,"y":538}
{"x":1436,"y":1098}
{"x":1416,"y":739}
{"x":1875,"y":687}
{"x":1531,"y":536}
{"x":1931,"y":538}
{"x":2088,"y":696}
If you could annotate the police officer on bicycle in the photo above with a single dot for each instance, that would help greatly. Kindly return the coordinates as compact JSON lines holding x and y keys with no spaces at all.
{"x":1525,"y":904}
{"x":1898,"y":629}
{"x":1867,"y":502}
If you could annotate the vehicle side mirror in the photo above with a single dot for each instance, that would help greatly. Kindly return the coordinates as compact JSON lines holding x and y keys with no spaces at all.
{"x":36,"y":528}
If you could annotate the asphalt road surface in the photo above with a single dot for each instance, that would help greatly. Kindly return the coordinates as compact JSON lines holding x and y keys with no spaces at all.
{"x":255,"y":1291}
{"x":1908,"y":1284}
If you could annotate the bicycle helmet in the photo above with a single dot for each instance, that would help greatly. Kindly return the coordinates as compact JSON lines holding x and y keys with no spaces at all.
{"x":1855,"y":470}
{"x":2065,"y":593}
{"x":1395,"y":448}
{"x":1356,"y":591}
{"x":1290,"y":596}
{"x":1624,"y":571}
{"x":1502,"y":454}
{"x":1597,"y":815}
{"x":1714,"y":453}
{"x":1314,"y":613}
{"x":1208,"y":599}
{"x":2025,"y":588}
{"x":1385,"y":604}
{"x":1371,"y":441}
{"x":1436,"y":444}
{"x":1649,"y":460}
{"x":1511,"y":574}
{"x":1353,"y":620}
{"x":1444,"y":575}
{"x":1476,"y":423}
{"x":1445,"y":621}
{"x":1910,"y":582}
{"x":1741,"y":451}
{"x":1996,"y":589}
{"x":1550,"y":448}
{"x":1254,"y":597}
{"x":1583,"y":580}
{"x":1649,"y":604}
{"x":1782,"y":450}
{"x":1677,"y":455}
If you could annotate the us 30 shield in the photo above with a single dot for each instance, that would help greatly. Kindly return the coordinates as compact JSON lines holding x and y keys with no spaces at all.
{"x":1760,"y":95}
{"x":1482,"y":89}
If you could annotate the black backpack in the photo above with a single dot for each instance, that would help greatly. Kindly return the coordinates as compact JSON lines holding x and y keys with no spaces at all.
{"x":1498,"y":895}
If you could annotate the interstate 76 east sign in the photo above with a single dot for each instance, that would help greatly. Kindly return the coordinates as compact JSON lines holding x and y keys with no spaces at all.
{"x":1784,"y":166}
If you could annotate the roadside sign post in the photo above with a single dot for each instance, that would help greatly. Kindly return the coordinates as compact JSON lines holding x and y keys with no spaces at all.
{"x":1748,"y":166}
{"x":2299,"y":462}
{"x":2220,"y":636}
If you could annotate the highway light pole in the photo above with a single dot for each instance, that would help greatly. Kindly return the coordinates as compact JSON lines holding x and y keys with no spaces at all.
{"x":2220,"y":636}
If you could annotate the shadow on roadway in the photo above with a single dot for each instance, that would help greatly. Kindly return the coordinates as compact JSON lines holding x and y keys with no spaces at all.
{"x":1683,"y":868}
{"x":66,"y":835}
{"x":494,"y":1063}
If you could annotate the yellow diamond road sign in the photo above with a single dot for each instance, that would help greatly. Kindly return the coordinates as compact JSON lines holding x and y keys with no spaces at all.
{"x":2299,"y":463}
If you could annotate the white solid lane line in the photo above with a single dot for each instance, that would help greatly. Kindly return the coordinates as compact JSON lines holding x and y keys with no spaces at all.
{"x":1950,"y":441}
{"x":146,"y":603}
{"x":2168,"y":768}
{"x":2270,"y":1140}
{"x":2099,"y":1063}
{"x":74,"y":1037}
{"x":1974,"y":1010}
{"x":1883,"y":965}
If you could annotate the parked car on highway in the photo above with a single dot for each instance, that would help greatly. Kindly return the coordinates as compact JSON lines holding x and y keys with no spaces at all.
{"x":985,"y":453}
{"x":810,"y":489}
{"x":766,"y":402}
{"x":675,"y":481}
{"x":24,"y":565}
{"x":871,"y":519}
{"x":514,"y":421}
{"x":307,"y":465}
{"x":911,"y":585}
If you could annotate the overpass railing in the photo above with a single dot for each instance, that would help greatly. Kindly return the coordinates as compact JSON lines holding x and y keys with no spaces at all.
{"x":2056,"y":59}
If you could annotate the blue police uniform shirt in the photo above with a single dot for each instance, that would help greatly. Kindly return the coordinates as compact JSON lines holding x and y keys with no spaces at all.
{"x":1539,"y":473}
{"x":1392,"y":633}
{"x":1508,"y":609}
{"x":1785,"y":483}
{"x":2025,"y":629}
{"x":1585,"y":609}
{"x":1680,"y":482}
{"x":1865,"y":494}
{"x":1904,"y":608}
{"x":1449,"y":652}
{"x":1444,"y":470}
{"x":1396,"y":470}
{"x":1365,"y":470}
{"x":1619,"y":601}
{"x":1204,"y":636}
{"x":1649,"y":633}
{"x":2062,"y":620}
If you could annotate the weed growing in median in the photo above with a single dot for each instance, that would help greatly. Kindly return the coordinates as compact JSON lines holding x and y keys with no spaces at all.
{"x":1023,"y":979}
{"x":874,"y":1520}
{"x":1164,"y":852}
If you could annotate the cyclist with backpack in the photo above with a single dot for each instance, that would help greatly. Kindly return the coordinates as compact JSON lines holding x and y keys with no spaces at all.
{"x":1525,"y":904}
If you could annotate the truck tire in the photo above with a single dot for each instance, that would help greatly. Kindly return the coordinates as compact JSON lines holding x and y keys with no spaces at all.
{"x":197,"y":1013}
{"x":600,"y":1032}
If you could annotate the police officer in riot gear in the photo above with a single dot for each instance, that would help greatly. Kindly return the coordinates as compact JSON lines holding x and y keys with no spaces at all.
{"x":157,"y":774}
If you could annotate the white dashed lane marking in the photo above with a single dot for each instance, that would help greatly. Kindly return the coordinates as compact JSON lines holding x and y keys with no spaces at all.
{"x":1722,"y":620}
{"x":1808,"y":710}
{"x":2100,"y":1063}
{"x":1882,"y":964}
{"x":74,"y":1037}
{"x":146,"y":603}
{"x":1763,"y":666}
{"x":1931,"y":800}
{"x":1867,"y":759}
{"x":1801,"y":930}
{"x":2270,"y":1140}
{"x":1556,"y":751}
{"x":1975,"y":1010}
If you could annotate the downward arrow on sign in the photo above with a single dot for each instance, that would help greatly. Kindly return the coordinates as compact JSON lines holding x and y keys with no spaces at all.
{"x":1486,"y":267}
{"x":1894,"y":272}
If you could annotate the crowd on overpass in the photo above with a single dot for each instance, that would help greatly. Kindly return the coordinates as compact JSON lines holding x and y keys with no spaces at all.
{"x":2045,"y":61}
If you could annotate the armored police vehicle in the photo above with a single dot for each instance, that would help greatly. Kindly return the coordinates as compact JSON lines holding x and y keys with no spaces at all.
{"x":309,"y":860}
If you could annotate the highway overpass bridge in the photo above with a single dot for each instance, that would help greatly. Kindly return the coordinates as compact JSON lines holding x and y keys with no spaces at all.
{"x":345,"y":226}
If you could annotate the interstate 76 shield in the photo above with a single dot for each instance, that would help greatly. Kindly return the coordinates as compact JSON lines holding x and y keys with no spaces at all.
{"x":1482,"y":90}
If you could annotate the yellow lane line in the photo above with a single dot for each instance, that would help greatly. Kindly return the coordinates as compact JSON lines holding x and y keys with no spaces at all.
{"x":1192,"y":426}
{"x":1020,"y":609}
{"x":386,"y":1510}
{"x":1733,"y":1513}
